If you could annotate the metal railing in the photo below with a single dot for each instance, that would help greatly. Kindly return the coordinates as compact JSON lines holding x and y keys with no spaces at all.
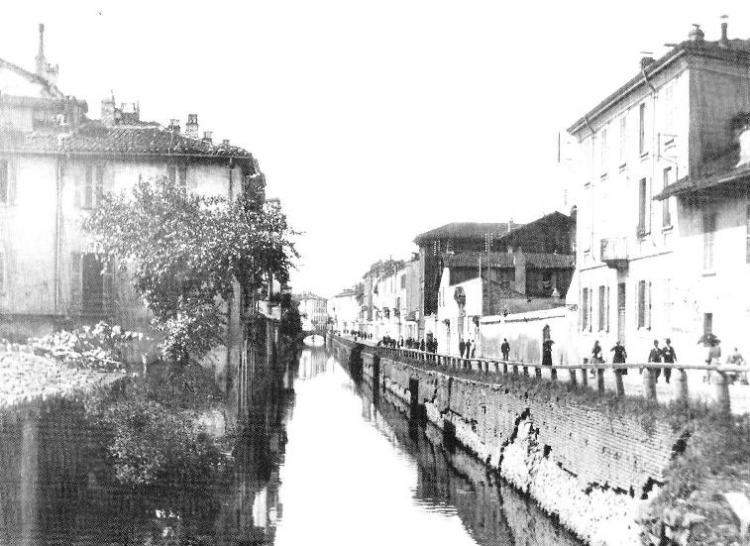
{"x":578,"y":374}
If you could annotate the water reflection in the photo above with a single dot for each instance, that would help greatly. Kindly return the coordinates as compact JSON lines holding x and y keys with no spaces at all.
{"x":318,"y":460}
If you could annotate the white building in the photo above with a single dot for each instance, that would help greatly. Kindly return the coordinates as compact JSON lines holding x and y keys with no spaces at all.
{"x":662,"y":206}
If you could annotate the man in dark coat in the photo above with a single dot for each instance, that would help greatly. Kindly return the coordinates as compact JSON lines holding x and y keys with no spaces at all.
{"x":655,"y":356}
{"x":619,"y":357}
{"x":547,"y":352}
{"x":421,"y":345}
{"x":670,"y":357}
{"x":461,"y":348}
{"x":505,"y":349}
{"x":468,"y":348}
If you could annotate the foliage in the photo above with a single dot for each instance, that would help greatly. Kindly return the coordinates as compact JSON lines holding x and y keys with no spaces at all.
{"x":185,"y":253}
{"x":98,"y":347}
{"x":291,"y":320}
{"x":359,"y":293}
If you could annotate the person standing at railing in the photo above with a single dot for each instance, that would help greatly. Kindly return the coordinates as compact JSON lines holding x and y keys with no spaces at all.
{"x":468,"y":348}
{"x":713,"y":358}
{"x":737,"y":359}
{"x":596,"y":356}
{"x":619,"y":357}
{"x":655,"y":356}
{"x":669,"y":355}
{"x":547,"y":352}
{"x":461,"y":348}
{"x":421,"y":345}
{"x":505,"y":349}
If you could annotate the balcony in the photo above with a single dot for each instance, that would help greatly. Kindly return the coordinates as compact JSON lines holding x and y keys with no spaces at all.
{"x":614,"y":252}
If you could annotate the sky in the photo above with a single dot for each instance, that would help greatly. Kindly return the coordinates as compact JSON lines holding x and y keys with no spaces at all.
{"x":373,"y":121}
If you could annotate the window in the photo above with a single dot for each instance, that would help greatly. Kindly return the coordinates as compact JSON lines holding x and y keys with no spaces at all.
{"x":585,"y":316}
{"x":642,"y":149}
{"x":642,"y":207}
{"x":4,"y":183}
{"x":641,"y":299}
{"x":623,"y":138}
{"x":668,"y":103}
{"x":602,"y":307}
{"x":667,"y":301}
{"x":3,"y":274}
{"x":403,"y":282}
{"x":666,"y":215}
{"x":606,"y":311}
{"x":603,"y":150}
{"x":708,"y":323}
{"x":93,"y":185}
{"x":709,"y":229}
{"x":178,"y":176}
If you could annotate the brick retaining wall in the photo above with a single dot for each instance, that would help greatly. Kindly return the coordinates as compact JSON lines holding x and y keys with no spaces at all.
{"x":587,"y":465}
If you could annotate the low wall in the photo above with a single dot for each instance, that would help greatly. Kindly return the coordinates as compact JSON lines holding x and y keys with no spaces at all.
{"x":594,"y":468}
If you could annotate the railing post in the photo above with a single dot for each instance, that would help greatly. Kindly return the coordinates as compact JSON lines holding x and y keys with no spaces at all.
{"x":538,"y":372}
{"x":515,"y":369}
{"x":723,"y":404}
{"x":619,"y":387}
{"x":600,"y":379}
{"x":584,"y":377}
{"x":649,"y":385}
{"x":573,"y":378}
{"x":526,"y":371}
{"x":681,"y":386}
{"x":505,"y":367}
{"x":553,"y":373}
{"x":497,"y":367}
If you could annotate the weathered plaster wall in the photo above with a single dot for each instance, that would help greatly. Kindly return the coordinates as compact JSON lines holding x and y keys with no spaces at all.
{"x":587,"y":465}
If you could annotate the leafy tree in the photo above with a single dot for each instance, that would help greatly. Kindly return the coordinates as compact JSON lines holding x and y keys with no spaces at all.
{"x":185,"y":253}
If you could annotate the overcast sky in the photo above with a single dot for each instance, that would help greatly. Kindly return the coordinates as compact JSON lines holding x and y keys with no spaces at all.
{"x":374,"y":121}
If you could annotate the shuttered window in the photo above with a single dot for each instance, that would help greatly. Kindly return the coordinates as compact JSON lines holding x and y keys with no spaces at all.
{"x":641,"y":292}
{"x":602,"y":307}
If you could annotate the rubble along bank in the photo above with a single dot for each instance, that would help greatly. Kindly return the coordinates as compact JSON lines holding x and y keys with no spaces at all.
{"x":26,"y":377}
{"x":596,"y":467}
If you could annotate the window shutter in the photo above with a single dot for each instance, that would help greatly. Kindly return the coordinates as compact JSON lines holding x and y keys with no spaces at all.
{"x":607,"y":310}
{"x":648,"y":314}
{"x":650,"y":205}
{"x":108,"y":284}
{"x":75,"y":282}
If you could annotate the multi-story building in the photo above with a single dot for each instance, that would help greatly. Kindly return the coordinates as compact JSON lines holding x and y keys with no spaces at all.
{"x":313,"y":310}
{"x":434,"y":245}
{"x":55,"y":164}
{"x":533,"y":273}
{"x":345,"y":310}
{"x":663,"y":217}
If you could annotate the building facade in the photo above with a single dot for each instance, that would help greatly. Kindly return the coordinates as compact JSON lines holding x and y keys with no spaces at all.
{"x":55,"y":166}
{"x":660,"y":246}
{"x":313,"y":310}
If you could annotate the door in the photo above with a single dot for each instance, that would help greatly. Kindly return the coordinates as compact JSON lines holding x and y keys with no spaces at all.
{"x":92,"y":285}
{"x":621,"y":312}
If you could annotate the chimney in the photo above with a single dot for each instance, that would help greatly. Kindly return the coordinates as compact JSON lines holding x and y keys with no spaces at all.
{"x":108,"y":112}
{"x":696,"y":35}
{"x":724,"y":41}
{"x":645,"y":61}
{"x":191,"y":127}
{"x":225,"y":142}
{"x":174,"y":126}
{"x":208,"y":137}
{"x":41,"y":62}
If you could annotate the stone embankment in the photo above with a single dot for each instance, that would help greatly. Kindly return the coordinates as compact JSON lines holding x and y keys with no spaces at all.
{"x":590,"y":465}
{"x":25,"y":377}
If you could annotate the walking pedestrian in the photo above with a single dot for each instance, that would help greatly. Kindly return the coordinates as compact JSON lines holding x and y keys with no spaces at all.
{"x":505,"y":349}
{"x":669,"y":355}
{"x":655,"y":356}
{"x":619,"y":357}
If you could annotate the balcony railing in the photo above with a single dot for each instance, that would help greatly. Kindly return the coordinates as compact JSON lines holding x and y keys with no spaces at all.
{"x":614,"y":252}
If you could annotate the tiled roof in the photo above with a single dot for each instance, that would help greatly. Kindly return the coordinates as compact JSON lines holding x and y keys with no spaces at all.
{"x":94,"y":138}
{"x":550,"y":261}
{"x":738,"y":52}
{"x":471,"y":259}
{"x":464,"y":230}
{"x":552,"y":221}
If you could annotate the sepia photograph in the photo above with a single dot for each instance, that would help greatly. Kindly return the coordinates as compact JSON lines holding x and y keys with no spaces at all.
{"x":346,"y":272}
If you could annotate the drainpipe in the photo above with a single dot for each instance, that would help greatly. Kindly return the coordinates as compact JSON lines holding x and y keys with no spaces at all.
{"x":57,"y":238}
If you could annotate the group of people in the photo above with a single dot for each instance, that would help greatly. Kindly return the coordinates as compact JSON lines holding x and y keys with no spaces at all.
{"x":466,"y":348}
{"x":430,"y":344}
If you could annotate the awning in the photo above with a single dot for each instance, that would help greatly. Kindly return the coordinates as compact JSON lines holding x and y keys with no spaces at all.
{"x":737,"y":175}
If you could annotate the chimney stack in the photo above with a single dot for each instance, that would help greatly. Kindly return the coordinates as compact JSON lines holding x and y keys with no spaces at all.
{"x":225,"y":142}
{"x":191,"y":127}
{"x":174,"y":126}
{"x":724,"y":41}
{"x":208,"y":137}
{"x":645,"y":61}
{"x":43,"y":68}
{"x":696,"y":35}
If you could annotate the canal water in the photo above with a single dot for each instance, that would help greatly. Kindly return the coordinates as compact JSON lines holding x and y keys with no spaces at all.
{"x":319,"y":459}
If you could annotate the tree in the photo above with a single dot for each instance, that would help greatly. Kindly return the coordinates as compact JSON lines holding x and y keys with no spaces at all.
{"x":186,"y":252}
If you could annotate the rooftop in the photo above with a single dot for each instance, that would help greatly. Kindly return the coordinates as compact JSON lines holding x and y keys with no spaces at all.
{"x":465,"y":230}
{"x":735,"y":51}
{"x":143,"y":139}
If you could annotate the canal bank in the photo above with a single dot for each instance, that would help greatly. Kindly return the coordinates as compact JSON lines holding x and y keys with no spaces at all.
{"x":596,"y":464}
